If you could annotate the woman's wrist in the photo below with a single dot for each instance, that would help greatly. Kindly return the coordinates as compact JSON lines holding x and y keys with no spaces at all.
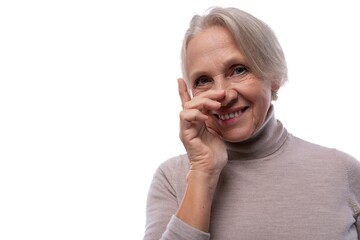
{"x":205,"y":181}
{"x":195,"y":208}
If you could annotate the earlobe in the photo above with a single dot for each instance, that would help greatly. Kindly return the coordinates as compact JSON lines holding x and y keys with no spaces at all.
{"x":274,"y":89}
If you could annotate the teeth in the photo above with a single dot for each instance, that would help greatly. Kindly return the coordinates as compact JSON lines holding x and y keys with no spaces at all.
{"x":229,"y":115}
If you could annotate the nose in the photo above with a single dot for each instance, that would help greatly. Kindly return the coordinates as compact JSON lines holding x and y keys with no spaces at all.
{"x":220,"y":82}
{"x":230,"y":94}
{"x":230,"y":97}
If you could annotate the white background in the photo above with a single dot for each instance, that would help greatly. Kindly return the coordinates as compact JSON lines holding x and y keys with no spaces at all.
{"x":89,"y":103}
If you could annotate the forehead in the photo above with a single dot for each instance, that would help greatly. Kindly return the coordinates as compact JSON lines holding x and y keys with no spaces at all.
{"x":210,"y":39}
{"x":211,"y":49}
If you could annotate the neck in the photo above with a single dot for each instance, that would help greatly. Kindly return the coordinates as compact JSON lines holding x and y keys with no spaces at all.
{"x":265,"y":141}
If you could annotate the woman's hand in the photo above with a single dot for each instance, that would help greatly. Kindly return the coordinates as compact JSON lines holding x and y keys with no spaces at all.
{"x":204,"y":146}
{"x":207,"y":154}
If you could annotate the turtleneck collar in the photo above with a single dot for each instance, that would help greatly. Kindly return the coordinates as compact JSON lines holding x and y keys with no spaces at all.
{"x":266,"y":140}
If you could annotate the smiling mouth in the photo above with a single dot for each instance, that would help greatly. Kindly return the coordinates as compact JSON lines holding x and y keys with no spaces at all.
{"x":231,"y":115}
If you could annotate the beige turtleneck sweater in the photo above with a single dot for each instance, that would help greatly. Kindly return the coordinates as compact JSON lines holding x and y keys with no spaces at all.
{"x":275,"y":186}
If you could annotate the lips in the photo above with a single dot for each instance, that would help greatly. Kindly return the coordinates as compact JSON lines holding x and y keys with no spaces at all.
{"x":230,"y":115}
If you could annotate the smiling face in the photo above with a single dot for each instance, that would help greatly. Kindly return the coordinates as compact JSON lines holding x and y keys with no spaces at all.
{"x":214,"y":62}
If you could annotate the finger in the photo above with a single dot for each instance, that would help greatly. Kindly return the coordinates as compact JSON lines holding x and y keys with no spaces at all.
{"x":187,"y":117}
{"x":183,"y":91}
{"x":212,"y":94}
{"x":214,"y":131}
{"x":203,"y":104}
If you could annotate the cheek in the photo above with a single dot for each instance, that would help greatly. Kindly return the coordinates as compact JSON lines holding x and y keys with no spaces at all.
{"x":257,"y":117}
{"x":261,"y":100}
{"x":248,"y":89}
{"x":258,"y":92}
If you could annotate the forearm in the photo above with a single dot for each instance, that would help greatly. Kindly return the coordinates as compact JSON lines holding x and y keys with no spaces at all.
{"x":195,"y":208}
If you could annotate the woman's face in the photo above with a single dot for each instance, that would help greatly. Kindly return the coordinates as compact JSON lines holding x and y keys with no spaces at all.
{"x":214,"y":62}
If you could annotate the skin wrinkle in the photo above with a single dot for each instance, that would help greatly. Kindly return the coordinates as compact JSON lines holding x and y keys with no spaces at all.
{"x":213,"y":53}
{"x":246,"y":172}
{"x":221,"y":47}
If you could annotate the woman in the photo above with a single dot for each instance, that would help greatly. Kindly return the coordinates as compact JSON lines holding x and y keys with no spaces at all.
{"x":244,"y":176}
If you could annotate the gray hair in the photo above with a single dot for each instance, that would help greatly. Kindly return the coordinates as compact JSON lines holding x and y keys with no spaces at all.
{"x":255,"y":40}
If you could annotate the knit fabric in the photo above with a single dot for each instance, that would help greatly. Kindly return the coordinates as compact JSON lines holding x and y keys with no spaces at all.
{"x":275,"y":186}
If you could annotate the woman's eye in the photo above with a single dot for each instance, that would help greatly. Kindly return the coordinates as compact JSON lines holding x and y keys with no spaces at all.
{"x":203,"y":80}
{"x":239,"y":70}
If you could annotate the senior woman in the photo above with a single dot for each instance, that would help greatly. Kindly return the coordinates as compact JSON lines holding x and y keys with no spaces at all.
{"x":244,"y":176}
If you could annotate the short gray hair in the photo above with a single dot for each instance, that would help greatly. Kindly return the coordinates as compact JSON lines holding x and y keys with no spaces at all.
{"x":255,"y":40}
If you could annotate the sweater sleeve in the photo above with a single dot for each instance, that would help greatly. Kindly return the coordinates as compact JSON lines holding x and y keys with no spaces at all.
{"x":353,"y":172}
{"x":162,"y":204}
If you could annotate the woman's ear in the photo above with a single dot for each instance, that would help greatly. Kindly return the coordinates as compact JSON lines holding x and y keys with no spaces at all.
{"x":274,"y":89}
{"x":275,"y":86}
